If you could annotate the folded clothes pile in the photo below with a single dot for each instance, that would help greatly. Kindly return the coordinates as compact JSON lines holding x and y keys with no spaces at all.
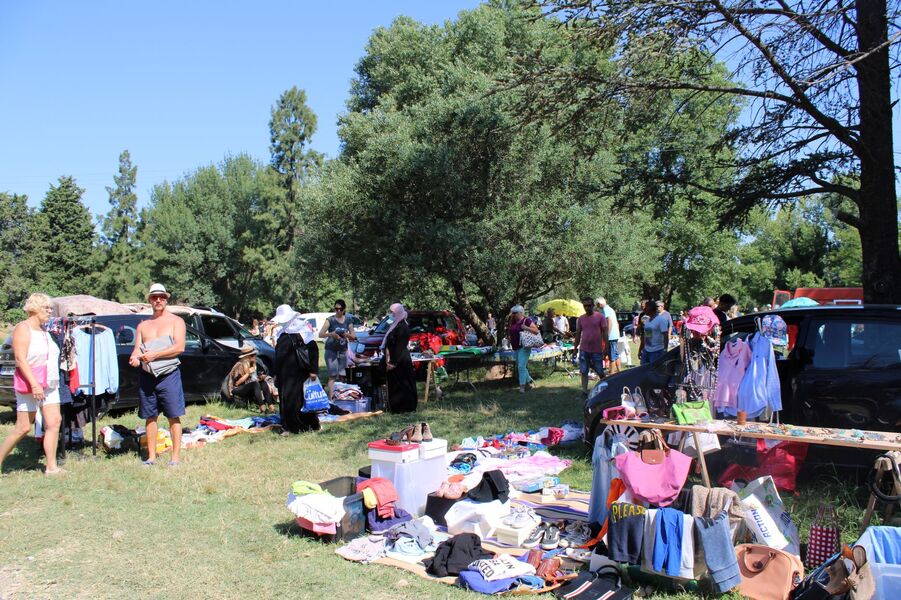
{"x":346,"y":391}
{"x":314,"y":508}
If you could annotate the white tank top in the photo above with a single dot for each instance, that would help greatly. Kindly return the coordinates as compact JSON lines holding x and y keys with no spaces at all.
{"x":42,"y":350}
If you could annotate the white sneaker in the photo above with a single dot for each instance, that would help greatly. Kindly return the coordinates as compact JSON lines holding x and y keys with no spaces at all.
{"x":521,"y":517}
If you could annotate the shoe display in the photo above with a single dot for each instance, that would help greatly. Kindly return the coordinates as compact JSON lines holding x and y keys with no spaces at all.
{"x":521,"y":517}
{"x":578,"y":555}
{"x":535,"y":537}
{"x":551,"y":538}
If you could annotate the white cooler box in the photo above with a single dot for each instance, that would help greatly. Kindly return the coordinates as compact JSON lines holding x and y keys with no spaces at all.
{"x":414,"y":480}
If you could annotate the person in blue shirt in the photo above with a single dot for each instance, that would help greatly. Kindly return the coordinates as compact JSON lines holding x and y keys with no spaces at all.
{"x":655,"y":333}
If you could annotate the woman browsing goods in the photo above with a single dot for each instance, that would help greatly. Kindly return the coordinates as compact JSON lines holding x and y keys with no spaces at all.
{"x":517,"y":323}
{"x":337,"y":331}
{"x":36,"y":381}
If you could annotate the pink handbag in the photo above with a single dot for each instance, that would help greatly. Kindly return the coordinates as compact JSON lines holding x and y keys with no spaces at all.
{"x":658,"y":484}
{"x":21,"y":385}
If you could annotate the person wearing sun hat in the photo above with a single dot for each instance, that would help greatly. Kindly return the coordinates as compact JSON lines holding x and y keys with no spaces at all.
{"x":294,"y":331}
{"x":244,"y":382}
{"x":158,"y":342}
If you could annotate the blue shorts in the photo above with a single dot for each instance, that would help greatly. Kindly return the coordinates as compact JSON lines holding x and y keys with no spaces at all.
{"x":613,"y":349}
{"x":594,"y":360}
{"x":161,"y":394}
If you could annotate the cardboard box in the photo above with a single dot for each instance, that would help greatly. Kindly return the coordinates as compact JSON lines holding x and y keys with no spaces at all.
{"x":536,"y":485}
{"x":436,"y":447}
{"x":512,"y":536}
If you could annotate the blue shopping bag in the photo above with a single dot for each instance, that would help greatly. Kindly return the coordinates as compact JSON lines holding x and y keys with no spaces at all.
{"x":314,"y":397}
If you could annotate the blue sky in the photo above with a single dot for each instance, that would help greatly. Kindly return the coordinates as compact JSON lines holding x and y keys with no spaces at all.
{"x":178,"y":84}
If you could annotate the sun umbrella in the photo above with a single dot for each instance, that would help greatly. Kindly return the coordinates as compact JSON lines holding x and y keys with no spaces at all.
{"x":799,"y":302}
{"x":567,"y":308}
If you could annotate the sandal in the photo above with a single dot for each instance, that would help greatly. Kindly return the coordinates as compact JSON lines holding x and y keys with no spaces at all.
{"x":399,"y":437}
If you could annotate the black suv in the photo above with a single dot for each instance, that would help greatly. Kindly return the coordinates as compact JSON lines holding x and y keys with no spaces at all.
{"x":843,"y":369}
{"x":205,"y":363}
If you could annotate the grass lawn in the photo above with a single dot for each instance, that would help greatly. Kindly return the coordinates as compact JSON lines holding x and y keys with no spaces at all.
{"x":217,"y":526}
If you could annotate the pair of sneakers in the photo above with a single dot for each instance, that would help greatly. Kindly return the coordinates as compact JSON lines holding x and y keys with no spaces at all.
{"x":545,"y":535}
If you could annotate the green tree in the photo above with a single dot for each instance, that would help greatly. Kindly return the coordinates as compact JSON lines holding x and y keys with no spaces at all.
{"x":439,"y":195}
{"x":815,"y":81}
{"x":65,"y":242}
{"x":16,"y":261}
{"x":125,"y":274}
{"x":211,"y":237}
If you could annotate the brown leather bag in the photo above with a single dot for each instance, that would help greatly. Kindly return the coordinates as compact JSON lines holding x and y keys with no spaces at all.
{"x":653,"y":447}
{"x":767,"y":573}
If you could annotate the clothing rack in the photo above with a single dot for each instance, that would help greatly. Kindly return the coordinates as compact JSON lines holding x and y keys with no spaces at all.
{"x":91,"y":322}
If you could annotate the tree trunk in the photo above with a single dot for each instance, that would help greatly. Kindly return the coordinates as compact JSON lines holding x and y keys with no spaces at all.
{"x":465,"y":311}
{"x":877,"y":202}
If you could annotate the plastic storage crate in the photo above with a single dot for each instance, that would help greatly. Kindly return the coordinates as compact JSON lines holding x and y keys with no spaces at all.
{"x":353,"y":525}
{"x":364,"y":404}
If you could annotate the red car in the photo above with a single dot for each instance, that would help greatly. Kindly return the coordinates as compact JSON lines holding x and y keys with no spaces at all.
{"x":430,"y":329}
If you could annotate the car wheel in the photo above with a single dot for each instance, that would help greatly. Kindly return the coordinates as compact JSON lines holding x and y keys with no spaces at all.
{"x":629,"y":432}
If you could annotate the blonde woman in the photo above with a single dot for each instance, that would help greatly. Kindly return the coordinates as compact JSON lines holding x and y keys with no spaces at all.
{"x":37,"y":371}
{"x":244,"y":382}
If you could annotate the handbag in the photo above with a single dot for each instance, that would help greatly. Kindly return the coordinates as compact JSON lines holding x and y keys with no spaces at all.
{"x":314,"y":397}
{"x":527,"y":339}
{"x":825,"y":537}
{"x":655,"y":483}
{"x":302,"y":355}
{"x":659,"y":402}
{"x":21,"y":385}
{"x":861,"y":580}
{"x":689,"y":413}
{"x":767,"y":573}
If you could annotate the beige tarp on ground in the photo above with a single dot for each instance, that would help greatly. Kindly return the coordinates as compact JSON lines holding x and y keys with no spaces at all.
{"x":83,"y":304}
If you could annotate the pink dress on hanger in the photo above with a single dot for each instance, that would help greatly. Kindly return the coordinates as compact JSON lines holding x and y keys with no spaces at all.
{"x":733,"y":362}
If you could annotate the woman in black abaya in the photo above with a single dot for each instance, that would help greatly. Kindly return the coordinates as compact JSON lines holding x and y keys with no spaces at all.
{"x":398,"y":364}
{"x":290,"y":373}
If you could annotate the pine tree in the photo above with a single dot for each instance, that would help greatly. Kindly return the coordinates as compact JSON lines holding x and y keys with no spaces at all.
{"x":124,"y":273}
{"x":64,"y":242}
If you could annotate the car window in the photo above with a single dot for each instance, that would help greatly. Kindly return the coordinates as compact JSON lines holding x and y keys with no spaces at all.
{"x":856,"y":344}
{"x":383,"y":326}
{"x":217,"y":327}
{"x":192,"y":340}
{"x":125,"y":335}
{"x":450,"y":324}
{"x":243,"y":331}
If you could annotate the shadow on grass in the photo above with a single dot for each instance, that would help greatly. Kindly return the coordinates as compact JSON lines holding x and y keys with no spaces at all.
{"x":290,"y":529}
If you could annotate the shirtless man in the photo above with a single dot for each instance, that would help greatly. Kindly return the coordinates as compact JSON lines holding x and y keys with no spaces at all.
{"x":163,"y":336}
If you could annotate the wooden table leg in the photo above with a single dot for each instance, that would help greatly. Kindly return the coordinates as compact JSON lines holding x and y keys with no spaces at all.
{"x":701,"y":459}
{"x":428,"y":382}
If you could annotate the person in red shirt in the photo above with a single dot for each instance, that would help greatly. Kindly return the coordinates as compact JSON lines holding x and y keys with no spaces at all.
{"x":590,"y":342}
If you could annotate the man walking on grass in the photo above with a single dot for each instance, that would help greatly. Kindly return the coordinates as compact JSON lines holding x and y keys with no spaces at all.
{"x":612,"y":334}
{"x":158,"y":342}
{"x":590,"y":342}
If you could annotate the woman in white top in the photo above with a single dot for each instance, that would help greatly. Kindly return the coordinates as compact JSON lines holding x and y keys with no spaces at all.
{"x":37,"y":365}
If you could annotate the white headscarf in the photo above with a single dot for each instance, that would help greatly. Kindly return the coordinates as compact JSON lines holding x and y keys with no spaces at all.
{"x":292,"y":322}
{"x":399,"y":313}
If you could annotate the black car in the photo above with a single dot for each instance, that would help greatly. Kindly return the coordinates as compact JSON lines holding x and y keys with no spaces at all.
{"x":842,"y":369}
{"x":205,"y":363}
